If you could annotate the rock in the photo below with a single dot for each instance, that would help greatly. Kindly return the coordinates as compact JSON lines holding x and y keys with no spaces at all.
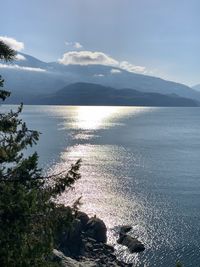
{"x":74,"y":239}
{"x":69,"y":262}
{"x":83,"y":217}
{"x":71,"y":241}
{"x":92,"y":240}
{"x":96,"y":229}
{"x":113,"y":256}
{"x":83,"y":244}
{"x":109,"y":247}
{"x":133,"y":244}
{"x":125,"y":229}
{"x":88,"y":246}
{"x":102,"y":254}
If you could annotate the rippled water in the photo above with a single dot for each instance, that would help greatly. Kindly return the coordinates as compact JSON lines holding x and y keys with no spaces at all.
{"x":141,"y":166}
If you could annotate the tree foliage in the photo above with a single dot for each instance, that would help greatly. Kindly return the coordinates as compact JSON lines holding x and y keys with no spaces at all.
{"x":29,"y":216}
{"x":178,"y":264}
{"x":6,"y":53}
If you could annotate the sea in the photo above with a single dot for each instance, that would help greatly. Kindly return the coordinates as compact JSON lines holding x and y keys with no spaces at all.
{"x":140,"y":166}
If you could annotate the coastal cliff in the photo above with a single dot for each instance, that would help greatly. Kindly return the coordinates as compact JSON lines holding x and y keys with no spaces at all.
{"x":84,"y":244}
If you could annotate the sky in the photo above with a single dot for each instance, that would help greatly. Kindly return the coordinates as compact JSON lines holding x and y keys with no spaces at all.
{"x":154,"y":37}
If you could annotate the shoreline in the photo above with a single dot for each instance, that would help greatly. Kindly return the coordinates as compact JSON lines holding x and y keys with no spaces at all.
{"x":85,"y":244}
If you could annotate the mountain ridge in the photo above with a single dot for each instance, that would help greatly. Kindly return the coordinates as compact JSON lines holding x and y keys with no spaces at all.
{"x":54,"y":76}
{"x":95,"y":94}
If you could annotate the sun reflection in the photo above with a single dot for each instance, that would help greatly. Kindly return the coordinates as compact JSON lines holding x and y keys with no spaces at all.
{"x":99,"y":117}
{"x":104,"y":168}
{"x":101,"y":191}
{"x":92,"y":118}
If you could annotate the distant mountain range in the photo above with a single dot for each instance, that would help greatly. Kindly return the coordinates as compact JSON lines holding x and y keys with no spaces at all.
{"x":95,"y":94}
{"x":30,"y":79}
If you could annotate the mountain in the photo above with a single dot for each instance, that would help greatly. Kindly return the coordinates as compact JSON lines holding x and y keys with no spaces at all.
{"x":196,"y":87}
{"x":95,"y":94}
{"x":32,"y":77}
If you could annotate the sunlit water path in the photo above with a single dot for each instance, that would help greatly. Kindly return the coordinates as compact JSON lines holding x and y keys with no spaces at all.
{"x":140,"y":167}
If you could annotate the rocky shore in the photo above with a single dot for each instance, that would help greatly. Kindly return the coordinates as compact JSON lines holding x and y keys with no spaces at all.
{"x":84,"y":244}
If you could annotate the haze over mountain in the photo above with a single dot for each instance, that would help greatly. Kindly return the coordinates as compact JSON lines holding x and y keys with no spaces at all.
{"x":28,"y":77}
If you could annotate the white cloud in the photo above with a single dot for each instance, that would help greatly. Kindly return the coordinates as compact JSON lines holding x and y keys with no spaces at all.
{"x":115,"y":71}
{"x":99,"y":58}
{"x":125,"y":65}
{"x":13,"y":43}
{"x":75,"y":45}
{"x":87,"y":58}
{"x":9,"y":66}
{"x":19,"y":57}
{"x":99,"y":75}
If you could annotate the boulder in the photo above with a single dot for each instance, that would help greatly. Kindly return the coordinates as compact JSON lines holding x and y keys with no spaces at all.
{"x":83,"y":217}
{"x":133,"y":244}
{"x":96,"y":229}
{"x":70,"y":240}
{"x":125,"y":229}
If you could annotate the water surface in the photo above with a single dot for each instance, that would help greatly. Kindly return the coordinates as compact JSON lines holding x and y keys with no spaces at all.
{"x":140,"y":167}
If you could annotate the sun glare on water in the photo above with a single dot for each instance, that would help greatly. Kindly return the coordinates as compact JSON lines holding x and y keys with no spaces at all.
{"x":93,"y":118}
{"x":87,"y":118}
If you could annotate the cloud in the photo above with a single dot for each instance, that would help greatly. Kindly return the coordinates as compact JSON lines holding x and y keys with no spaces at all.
{"x":99,"y":58}
{"x":13,"y":43}
{"x":87,"y":58}
{"x":125,"y":65}
{"x":19,"y":57}
{"x":99,"y":75}
{"x":17,"y":67}
{"x":75,"y":45}
{"x":115,"y":71}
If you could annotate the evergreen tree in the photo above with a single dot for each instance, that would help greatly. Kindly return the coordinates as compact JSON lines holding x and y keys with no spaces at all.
{"x":28,"y":214}
{"x":178,"y":264}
